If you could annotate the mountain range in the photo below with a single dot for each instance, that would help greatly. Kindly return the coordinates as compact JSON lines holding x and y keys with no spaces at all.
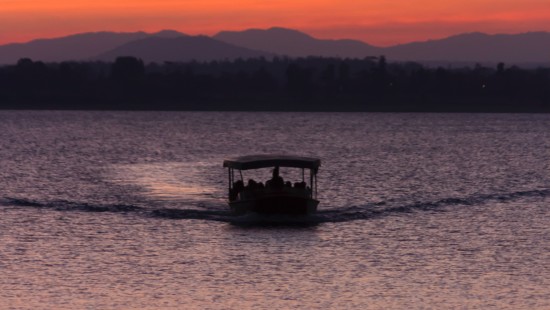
{"x":170,"y":45}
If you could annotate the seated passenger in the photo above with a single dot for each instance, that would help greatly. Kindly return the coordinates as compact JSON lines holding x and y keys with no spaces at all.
{"x":252,"y":184}
{"x":276,"y":181}
{"x":233,"y":194}
{"x":237,"y":188}
{"x":239,"y":185}
{"x":288,"y":184}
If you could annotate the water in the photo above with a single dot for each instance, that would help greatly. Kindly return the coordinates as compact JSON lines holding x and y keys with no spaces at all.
{"x":119,"y":210}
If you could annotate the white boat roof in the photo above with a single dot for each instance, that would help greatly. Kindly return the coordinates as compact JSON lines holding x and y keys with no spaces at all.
{"x":267,"y":160}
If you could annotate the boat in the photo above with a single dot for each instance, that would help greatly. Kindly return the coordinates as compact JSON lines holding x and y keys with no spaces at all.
{"x":275,"y":196}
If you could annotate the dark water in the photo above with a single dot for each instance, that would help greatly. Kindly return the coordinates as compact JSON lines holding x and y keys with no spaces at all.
{"x":118,"y":210}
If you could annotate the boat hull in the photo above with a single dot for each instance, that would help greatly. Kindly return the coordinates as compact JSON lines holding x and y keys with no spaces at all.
{"x":275,"y":205}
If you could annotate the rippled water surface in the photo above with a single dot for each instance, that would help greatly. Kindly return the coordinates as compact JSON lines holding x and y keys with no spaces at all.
{"x":120,"y":210}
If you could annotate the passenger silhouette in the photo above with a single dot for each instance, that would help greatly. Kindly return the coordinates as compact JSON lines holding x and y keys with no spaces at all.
{"x":276,"y":180}
{"x":237,"y":188}
{"x":252,"y":184}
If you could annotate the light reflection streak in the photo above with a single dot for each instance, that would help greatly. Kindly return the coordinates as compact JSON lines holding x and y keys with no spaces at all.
{"x":169,"y":181}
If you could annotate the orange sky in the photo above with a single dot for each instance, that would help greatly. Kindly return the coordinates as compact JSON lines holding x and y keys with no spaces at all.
{"x":379,"y":22}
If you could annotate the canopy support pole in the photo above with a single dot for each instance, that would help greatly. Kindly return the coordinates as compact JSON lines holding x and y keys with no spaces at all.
{"x":315,"y":186}
{"x":230,"y":183}
{"x":311,"y":181}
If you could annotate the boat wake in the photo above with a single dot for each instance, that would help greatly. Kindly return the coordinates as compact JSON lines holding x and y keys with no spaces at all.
{"x":442,"y":205}
{"x":64,"y":205}
{"x":328,"y":214}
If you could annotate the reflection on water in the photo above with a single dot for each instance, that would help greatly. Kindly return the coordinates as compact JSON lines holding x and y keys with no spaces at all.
{"x":168,"y":181}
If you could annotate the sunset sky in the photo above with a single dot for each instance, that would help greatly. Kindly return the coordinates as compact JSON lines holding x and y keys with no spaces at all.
{"x":374,"y":21}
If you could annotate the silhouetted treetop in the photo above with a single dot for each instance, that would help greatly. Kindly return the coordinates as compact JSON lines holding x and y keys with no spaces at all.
{"x":285,"y":84}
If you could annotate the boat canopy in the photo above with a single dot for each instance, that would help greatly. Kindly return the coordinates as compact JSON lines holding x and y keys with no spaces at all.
{"x":265,"y":161}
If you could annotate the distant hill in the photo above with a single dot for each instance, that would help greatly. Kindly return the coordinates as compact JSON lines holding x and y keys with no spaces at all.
{"x":74,"y":47}
{"x":199,"y":48}
{"x":294,"y":43}
{"x":472,"y":47}
{"x":170,"y":45}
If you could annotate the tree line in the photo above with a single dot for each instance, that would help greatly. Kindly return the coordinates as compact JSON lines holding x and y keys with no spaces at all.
{"x":278,"y":84}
